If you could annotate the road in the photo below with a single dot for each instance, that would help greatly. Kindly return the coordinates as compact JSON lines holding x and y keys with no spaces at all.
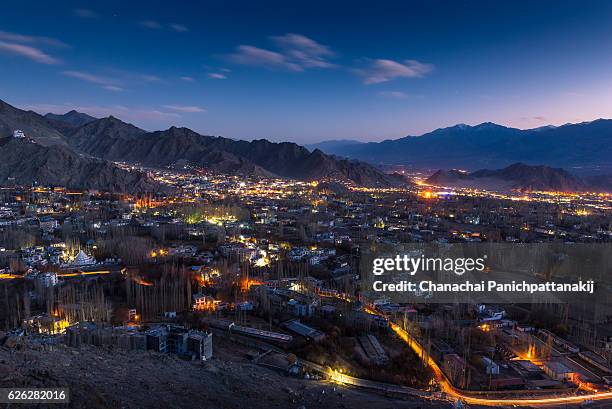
{"x":450,"y":390}
{"x":598,"y":398}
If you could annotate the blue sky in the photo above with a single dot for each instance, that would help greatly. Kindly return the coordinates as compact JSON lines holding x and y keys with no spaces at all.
{"x":311,"y":71}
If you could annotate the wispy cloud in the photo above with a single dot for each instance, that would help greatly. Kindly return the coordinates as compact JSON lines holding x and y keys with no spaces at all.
{"x":156,"y":25}
{"x":30,"y":47}
{"x":31,"y":53}
{"x":28,"y":39}
{"x":393,"y":94}
{"x":294,"y":52}
{"x":85,"y":76}
{"x":129,"y":113}
{"x":113,"y":79}
{"x":151,"y":78}
{"x":250,"y":55}
{"x":530,"y":121}
{"x":106,"y":83}
{"x":152,"y":24}
{"x":185,"y":108}
{"x":125,"y":113}
{"x":85,"y":13}
{"x":112,"y":88}
{"x":381,"y":70}
{"x":188,"y":79}
{"x":217,"y":76}
{"x":304,"y":51}
{"x":179,"y":28}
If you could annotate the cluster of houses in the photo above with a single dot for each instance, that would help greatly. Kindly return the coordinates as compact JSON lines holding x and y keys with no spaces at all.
{"x":163,"y":338}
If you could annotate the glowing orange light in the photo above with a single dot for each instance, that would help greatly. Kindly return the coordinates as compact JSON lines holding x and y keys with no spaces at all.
{"x":246,"y":284}
{"x":427,"y":194}
{"x":139,"y":280}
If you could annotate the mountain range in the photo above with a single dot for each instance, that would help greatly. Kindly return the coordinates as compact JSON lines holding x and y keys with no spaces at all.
{"x":71,"y":118}
{"x":78,"y":150}
{"x":88,"y":139}
{"x":23,"y":163}
{"x":34,"y":125}
{"x":65,"y":122}
{"x":514,"y":177}
{"x":584,"y":148}
{"x":333,"y":145}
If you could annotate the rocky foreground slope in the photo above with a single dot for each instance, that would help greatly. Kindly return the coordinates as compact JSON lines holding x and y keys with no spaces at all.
{"x":109,"y":379}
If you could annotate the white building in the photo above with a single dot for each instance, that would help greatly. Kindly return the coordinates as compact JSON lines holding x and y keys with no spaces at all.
{"x":48,"y":224}
{"x":18,"y":133}
{"x":83,"y":259}
{"x":48,"y":279}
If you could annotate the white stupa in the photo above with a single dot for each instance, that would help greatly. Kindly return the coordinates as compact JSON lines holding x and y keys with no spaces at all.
{"x":82,"y":259}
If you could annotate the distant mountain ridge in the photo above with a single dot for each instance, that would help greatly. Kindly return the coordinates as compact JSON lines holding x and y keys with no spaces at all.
{"x":586,"y":147}
{"x":488,"y":145}
{"x":258,"y":157}
{"x":112,"y":139}
{"x":332,"y":144}
{"x":515,"y":177}
{"x":72,"y":118}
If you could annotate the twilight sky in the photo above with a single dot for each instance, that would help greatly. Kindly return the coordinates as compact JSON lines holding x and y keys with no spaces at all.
{"x":308,"y":71}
